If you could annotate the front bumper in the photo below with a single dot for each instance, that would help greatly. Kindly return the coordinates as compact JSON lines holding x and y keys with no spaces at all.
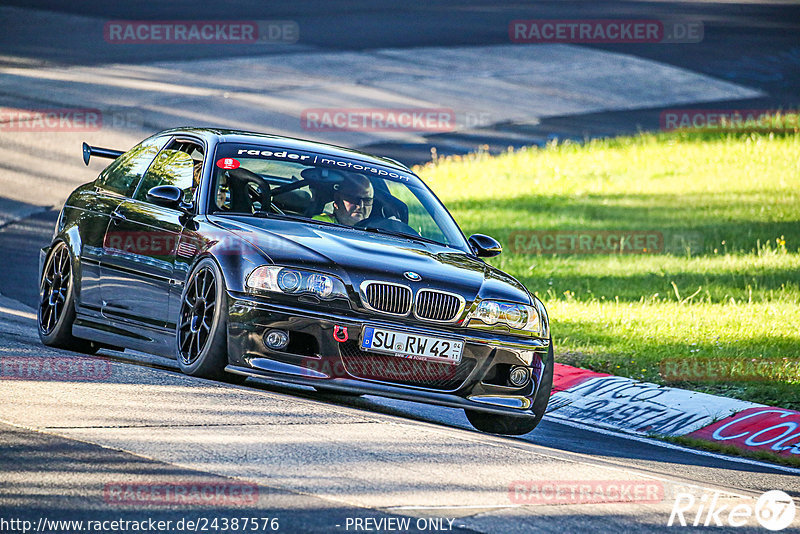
{"x":325,"y":352}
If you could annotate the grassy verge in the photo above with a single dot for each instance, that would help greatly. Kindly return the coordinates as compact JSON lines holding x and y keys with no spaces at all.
{"x":733,"y":296}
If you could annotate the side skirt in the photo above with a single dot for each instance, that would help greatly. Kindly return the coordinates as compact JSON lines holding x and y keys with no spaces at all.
{"x":154,"y":340}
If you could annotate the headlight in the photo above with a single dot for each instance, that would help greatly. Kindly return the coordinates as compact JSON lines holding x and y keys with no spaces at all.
{"x":518,"y":318}
{"x":289,"y":281}
{"x":321,"y":285}
{"x":488,"y":312}
{"x":295,"y":282}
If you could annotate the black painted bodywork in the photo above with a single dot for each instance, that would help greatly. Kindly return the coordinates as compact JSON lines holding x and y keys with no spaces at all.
{"x":130,"y":298}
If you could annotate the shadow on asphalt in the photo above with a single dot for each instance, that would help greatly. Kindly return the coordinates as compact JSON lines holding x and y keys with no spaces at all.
{"x":39,"y":482}
{"x":20,"y":242}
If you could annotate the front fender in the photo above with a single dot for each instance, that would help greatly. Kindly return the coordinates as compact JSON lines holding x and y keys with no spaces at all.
{"x":70,"y":235}
{"x":235,"y":256}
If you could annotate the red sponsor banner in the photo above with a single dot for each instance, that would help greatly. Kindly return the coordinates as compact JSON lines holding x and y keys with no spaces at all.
{"x":188,"y":493}
{"x":181,"y":31}
{"x":566,"y":376}
{"x":729,"y":119}
{"x":54,"y":368}
{"x":772,"y":429}
{"x":586,"y":242}
{"x":378,"y":119}
{"x":585,"y":491}
{"x":50,"y":120}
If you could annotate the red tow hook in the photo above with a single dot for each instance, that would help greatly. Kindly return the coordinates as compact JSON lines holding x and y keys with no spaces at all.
{"x":337,"y":330}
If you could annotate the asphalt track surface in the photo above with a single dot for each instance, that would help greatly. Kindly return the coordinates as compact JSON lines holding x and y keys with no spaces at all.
{"x":753,"y":43}
{"x":45,"y":473}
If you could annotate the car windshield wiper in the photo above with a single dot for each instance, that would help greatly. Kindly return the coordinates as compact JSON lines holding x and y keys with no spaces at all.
{"x":412,"y":237}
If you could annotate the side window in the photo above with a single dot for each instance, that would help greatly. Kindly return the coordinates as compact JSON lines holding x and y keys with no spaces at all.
{"x":179,"y":164}
{"x":124,"y":173}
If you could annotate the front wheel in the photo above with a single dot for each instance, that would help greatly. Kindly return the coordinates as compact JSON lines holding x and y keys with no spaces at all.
{"x":517,"y":426}
{"x":202,"y":344}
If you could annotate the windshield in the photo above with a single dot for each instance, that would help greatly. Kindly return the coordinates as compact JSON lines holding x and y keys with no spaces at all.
{"x":263,"y":181}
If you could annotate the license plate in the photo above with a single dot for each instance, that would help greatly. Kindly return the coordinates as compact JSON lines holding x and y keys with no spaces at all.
{"x":413,"y":346}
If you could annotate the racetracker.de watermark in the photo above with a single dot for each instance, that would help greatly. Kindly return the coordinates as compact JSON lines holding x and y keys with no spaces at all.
{"x":730,"y":119}
{"x":182,"y":493}
{"x":168,"y":245}
{"x":385,"y":368}
{"x":605,"y":31}
{"x":201,"y":32}
{"x":54,"y":368}
{"x":730,"y":370}
{"x":604,"y":242}
{"x":68,"y":119}
{"x":379,"y":120}
{"x":213,"y":522}
{"x":585,"y":491}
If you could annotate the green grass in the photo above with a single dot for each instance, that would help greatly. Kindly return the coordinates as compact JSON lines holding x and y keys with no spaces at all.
{"x":737,"y":298}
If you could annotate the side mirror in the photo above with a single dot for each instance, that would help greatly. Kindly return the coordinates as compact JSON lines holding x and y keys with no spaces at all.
{"x":484,"y":246}
{"x":168,"y":196}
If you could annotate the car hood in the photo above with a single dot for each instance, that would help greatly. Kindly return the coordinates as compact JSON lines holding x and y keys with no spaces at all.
{"x":355,"y":256}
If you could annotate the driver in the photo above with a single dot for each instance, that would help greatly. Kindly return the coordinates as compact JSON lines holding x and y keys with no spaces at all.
{"x":352,"y":201}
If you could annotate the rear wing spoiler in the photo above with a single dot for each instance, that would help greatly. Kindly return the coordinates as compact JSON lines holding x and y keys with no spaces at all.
{"x":89,"y":151}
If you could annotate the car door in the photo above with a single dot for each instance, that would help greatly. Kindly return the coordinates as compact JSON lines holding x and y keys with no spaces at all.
{"x":142,"y":238}
{"x":112,"y":186}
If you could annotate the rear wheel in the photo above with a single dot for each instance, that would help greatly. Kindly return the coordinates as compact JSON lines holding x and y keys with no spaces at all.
{"x":517,"y":426}
{"x":56,"y":310}
{"x":202,"y":337}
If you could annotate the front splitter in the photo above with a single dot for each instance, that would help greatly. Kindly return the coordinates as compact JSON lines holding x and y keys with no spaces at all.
{"x":500,"y":405}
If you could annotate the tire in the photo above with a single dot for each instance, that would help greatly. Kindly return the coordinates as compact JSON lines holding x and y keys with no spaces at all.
{"x":202,"y":331}
{"x":517,"y":426}
{"x":56,"y":310}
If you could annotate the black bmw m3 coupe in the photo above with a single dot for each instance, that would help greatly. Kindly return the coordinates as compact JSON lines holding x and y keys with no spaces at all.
{"x":244,"y":254}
